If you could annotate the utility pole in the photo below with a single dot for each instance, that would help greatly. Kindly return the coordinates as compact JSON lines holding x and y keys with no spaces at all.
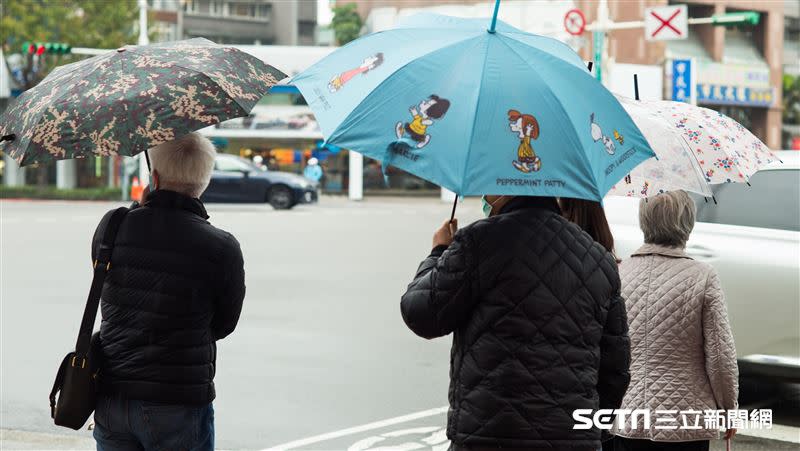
{"x":144,"y":171}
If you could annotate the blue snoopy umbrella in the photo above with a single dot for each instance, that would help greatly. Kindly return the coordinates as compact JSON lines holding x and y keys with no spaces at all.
{"x":477,"y":111}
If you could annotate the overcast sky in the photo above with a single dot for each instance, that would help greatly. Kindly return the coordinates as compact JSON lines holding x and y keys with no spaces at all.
{"x":324,"y":14}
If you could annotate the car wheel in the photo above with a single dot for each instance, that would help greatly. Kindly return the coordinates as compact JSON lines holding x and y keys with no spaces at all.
{"x":280,"y":197}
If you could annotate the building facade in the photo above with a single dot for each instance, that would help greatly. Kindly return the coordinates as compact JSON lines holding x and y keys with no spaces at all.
{"x":259,"y":22}
{"x":739,"y":69}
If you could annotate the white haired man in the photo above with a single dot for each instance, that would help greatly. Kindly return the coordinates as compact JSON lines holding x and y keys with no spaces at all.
{"x":175,"y":287}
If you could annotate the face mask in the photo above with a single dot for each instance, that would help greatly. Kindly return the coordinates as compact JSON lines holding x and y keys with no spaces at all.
{"x":486,"y":207}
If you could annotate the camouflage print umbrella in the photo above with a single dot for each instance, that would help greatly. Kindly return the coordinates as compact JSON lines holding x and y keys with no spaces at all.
{"x":131,"y":99}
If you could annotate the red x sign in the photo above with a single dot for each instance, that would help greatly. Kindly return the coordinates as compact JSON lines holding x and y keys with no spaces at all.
{"x":667,"y":22}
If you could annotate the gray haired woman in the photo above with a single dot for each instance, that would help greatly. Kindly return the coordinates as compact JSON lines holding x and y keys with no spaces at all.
{"x":683,"y":360}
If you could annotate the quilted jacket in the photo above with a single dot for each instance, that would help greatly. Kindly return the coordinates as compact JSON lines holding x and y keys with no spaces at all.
{"x":176,"y":286}
{"x":539,"y":328}
{"x":683,"y":357}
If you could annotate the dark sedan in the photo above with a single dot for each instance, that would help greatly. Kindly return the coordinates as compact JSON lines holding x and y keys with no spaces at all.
{"x":236,"y":179}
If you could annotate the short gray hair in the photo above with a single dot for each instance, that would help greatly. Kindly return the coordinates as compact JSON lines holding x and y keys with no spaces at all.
{"x":185,"y":164}
{"x":667,"y":219}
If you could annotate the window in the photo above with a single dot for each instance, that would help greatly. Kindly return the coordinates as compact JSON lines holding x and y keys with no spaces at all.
{"x":773,"y":201}
{"x":191,"y":6}
{"x":216,"y":8}
{"x":306,"y":29}
{"x":263,"y":11}
{"x":233,"y":164}
{"x":242,"y":9}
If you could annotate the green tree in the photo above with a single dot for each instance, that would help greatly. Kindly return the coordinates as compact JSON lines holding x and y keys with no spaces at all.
{"x":791,"y":105}
{"x":346,"y":23}
{"x":80,"y":23}
{"x":791,"y":99}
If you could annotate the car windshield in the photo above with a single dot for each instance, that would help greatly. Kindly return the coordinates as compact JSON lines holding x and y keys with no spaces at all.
{"x":772,"y":201}
{"x":235,"y":164}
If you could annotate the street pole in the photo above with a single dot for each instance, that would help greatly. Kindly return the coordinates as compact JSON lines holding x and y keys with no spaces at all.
{"x":600,"y":38}
{"x":355,"y":186}
{"x":144,"y":171}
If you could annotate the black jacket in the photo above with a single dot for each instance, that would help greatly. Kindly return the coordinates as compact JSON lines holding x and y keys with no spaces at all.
{"x":176,"y":285}
{"x":539,"y":328}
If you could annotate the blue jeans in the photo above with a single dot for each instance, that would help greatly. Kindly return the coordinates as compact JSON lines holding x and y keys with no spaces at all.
{"x":128,"y":425}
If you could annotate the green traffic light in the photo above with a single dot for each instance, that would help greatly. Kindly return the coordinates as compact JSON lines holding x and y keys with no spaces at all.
{"x":748,"y":18}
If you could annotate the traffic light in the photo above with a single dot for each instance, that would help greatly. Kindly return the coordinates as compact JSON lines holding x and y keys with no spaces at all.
{"x":739,"y":18}
{"x":40,"y":48}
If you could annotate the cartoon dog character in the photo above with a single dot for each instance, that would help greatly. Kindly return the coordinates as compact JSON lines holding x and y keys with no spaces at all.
{"x":526,"y":127}
{"x":597,"y":135}
{"x":367,"y":65}
{"x":422,"y":115}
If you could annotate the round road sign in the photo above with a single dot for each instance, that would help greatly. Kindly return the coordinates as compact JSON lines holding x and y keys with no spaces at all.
{"x":575,"y":22}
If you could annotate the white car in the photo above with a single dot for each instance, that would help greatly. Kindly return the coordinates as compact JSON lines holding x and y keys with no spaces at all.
{"x":752,"y":238}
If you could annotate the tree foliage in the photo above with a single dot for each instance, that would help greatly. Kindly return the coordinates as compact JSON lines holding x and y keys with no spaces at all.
{"x":80,"y":23}
{"x":346,"y":23}
{"x":791,"y":99}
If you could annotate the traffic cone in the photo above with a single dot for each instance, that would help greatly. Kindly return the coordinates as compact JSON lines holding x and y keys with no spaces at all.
{"x":136,"y":190}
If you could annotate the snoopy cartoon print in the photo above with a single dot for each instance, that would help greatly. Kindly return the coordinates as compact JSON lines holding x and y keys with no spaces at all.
{"x":527,"y":128}
{"x":422,"y":116}
{"x":597,"y":135}
{"x":366,"y":66}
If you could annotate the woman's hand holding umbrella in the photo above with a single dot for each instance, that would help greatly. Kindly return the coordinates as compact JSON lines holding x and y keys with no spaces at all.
{"x":444,"y":234}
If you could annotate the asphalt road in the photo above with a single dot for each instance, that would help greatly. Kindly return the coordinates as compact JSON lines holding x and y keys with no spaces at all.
{"x":321,"y":358}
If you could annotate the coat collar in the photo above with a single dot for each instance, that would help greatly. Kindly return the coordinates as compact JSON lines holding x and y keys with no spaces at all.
{"x":520,"y":202}
{"x":656,"y":249}
{"x":170,"y":199}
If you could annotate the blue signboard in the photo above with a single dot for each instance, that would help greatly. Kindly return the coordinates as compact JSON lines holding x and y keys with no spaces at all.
{"x":682,"y":82}
{"x":734,"y":95}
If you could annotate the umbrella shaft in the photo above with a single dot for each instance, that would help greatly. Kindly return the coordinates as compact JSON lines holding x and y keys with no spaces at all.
{"x":494,"y":16}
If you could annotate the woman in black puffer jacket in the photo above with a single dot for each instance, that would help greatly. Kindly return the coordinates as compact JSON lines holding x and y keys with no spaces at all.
{"x":539,"y":327}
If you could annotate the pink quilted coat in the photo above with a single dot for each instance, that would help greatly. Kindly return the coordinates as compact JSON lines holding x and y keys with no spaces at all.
{"x":682,"y":352}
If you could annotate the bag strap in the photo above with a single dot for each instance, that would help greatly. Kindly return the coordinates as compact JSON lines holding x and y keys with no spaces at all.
{"x":102,"y":263}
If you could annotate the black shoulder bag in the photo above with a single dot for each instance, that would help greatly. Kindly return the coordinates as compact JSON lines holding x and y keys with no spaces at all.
{"x":77,"y":376}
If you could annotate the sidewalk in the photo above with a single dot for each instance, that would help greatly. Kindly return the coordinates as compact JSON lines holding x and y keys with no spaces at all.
{"x":19,"y":440}
{"x":787,"y":439}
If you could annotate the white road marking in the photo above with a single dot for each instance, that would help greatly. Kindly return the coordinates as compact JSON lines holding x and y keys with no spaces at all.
{"x":421,"y":430}
{"x":365,"y":444}
{"x":357,"y":429}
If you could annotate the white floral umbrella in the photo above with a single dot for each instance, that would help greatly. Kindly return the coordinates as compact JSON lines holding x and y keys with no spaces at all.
{"x":696,"y":147}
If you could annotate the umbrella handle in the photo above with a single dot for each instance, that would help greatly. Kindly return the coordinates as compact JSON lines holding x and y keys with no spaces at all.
{"x":147,"y":159}
{"x":453,"y":213}
{"x":9,"y":137}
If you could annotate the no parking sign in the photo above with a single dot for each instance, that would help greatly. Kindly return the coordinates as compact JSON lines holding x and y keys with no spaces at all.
{"x":575,"y":22}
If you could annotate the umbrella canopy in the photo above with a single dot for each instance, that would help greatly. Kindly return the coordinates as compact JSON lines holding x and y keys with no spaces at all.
{"x":131,"y":99}
{"x":696,"y":147}
{"x":476,"y":111}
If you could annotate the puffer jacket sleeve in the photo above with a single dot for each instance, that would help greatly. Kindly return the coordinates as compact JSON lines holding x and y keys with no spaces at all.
{"x":615,"y":356}
{"x":229,"y":303}
{"x":441,"y":295}
{"x":721,"y":366}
